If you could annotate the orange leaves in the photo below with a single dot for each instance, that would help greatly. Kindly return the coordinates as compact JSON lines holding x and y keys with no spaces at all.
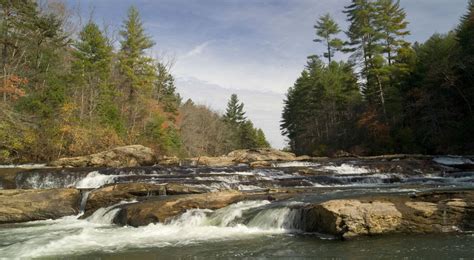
{"x":370,"y":120}
{"x":12,"y":87}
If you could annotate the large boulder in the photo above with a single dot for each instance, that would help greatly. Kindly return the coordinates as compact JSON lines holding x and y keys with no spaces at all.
{"x":252,"y":155}
{"x":123,"y":156}
{"x":28,"y":205}
{"x":221,"y":161}
{"x":433,"y":213}
{"x":162,"y":209}
{"x":115,"y":193}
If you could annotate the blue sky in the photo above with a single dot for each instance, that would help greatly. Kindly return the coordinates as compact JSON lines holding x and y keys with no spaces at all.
{"x":257,"y":45}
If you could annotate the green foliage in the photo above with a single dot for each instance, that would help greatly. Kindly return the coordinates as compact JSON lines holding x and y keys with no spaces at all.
{"x":234,"y":113}
{"x":412,"y":98}
{"x":326,"y":29}
{"x":261,"y":140}
{"x":165,"y":91}
{"x":64,"y":97}
{"x":243,"y":134}
{"x":139,"y":72}
{"x":318,"y":108}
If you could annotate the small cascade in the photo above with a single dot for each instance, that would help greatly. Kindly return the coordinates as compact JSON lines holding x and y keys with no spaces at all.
{"x":348,"y":169}
{"x":95,"y":180}
{"x":84,"y":196}
{"x":106,"y":215}
{"x":246,"y":214}
{"x":283,"y":217}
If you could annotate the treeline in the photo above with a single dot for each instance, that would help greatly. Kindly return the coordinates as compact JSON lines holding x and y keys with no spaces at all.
{"x":64,"y":93}
{"x":205,"y":132}
{"x":390,"y":96}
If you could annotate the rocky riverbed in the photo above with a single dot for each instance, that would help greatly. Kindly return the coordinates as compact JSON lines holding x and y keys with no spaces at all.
{"x":244,"y":194}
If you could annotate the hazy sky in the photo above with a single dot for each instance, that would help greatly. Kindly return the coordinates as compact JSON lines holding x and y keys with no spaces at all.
{"x":257,"y":45}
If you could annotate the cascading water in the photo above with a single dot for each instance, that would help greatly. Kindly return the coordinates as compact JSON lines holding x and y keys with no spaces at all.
{"x":84,"y":197}
{"x":247,"y":219}
{"x":104,"y":215}
{"x":94,"y":180}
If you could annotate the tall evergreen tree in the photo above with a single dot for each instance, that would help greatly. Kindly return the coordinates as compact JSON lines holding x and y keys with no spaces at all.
{"x":326,"y":30}
{"x":92,"y":71}
{"x":138,"y":69}
{"x":364,"y":41}
{"x":261,"y":139}
{"x":392,"y":24}
{"x":465,"y":38}
{"x":165,"y":91}
{"x":234,"y":113}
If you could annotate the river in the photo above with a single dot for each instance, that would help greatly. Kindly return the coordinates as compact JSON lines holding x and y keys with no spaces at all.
{"x":246,"y":229}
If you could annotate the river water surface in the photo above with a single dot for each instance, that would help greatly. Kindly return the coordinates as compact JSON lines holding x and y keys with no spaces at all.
{"x":248,"y":229}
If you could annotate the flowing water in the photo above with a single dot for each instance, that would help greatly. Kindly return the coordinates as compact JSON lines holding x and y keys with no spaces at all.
{"x":248,"y":229}
{"x":244,"y":229}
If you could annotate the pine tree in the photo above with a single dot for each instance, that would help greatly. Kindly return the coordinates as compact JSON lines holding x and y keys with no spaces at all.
{"x":235,"y":111}
{"x":364,"y":41}
{"x":465,"y":37}
{"x":261,"y":139}
{"x":392,"y":24}
{"x":165,"y":91}
{"x":326,"y":29}
{"x":92,"y":70}
{"x":247,"y":135}
{"x":138,"y":69}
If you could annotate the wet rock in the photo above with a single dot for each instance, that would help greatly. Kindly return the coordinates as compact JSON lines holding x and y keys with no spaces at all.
{"x":164,"y":208}
{"x":178,"y":188}
{"x":123,"y":156}
{"x":7,"y":177}
{"x":115,"y":193}
{"x":447,"y":212}
{"x":28,"y":205}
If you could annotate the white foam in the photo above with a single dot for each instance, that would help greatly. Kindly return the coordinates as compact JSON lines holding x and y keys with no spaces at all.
{"x":71,"y":236}
{"x":248,"y":187}
{"x":296,"y":164}
{"x":348,"y":169}
{"x":95,"y":180}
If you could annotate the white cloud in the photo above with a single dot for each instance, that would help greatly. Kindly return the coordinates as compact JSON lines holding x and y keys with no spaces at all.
{"x":197,"y":50}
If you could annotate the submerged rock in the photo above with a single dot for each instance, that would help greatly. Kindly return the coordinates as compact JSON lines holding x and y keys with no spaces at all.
{"x":123,"y":156}
{"x":28,"y":205}
{"x":434,"y":213}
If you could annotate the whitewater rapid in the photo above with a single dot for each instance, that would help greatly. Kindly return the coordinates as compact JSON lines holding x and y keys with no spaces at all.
{"x":74,"y":236}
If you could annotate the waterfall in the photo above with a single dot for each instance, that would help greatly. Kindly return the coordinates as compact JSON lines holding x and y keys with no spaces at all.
{"x":84,"y":196}
{"x":245,"y":214}
{"x":95,"y":180}
{"x":106,"y":215}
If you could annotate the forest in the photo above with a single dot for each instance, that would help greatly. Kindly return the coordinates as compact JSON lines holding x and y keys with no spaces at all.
{"x":71,"y":88}
{"x":389,"y":95}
